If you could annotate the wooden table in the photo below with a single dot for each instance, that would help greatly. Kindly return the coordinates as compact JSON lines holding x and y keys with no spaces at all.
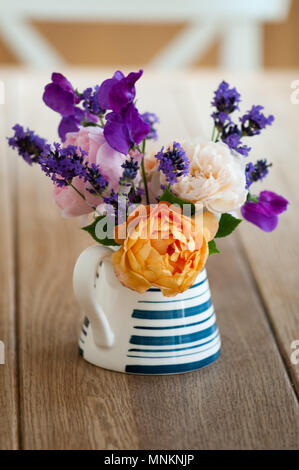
{"x":49,"y":397}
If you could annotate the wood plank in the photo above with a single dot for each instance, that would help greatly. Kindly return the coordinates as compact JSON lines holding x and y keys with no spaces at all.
{"x":273,"y":257}
{"x":243,"y":401}
{"x":66,"y":402}
{"x":8,"y":371}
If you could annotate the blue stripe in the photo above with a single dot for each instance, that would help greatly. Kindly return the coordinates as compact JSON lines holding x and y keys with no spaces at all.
{"x":168,"y":314}
{"x":175,"y":349}
{"x":168,"y":301}
{"x":168,"y":340}
{"x":153,"y":289}
{"x":173,"y":327}
{"x":84,"y":332}
{"x":181,"y":355}
{"x":171,"y":368}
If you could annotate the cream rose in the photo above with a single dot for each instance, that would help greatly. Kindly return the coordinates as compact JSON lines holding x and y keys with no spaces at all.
{"x":216,"y":177}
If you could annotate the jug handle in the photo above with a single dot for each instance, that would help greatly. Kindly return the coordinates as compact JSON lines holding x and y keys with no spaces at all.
{"x":83,"y":282}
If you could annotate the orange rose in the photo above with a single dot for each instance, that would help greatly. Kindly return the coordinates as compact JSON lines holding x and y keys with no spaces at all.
{"x":162,"y":248}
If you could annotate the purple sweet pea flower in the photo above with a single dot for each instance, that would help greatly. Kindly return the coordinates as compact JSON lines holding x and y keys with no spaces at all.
{"x":137,"y":127}
{"x":117,"y":92}
{"x":124,"y":129}
{"x":67,"y":124}
{"x":264,"y":213}
{"x":62,"y":98}
{"x":60,"y":95}
{"x":116,"y":133}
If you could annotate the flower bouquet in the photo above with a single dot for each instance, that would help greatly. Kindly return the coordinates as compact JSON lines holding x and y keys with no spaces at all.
{"x":155,"y":217}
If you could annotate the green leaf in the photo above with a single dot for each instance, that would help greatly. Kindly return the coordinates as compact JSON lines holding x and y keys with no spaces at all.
{"x":227,"y":225}
{"x":213,"y":247}
{"x":252,"y":198}
{"x":93,"y":229}
{"x":170,"y":197}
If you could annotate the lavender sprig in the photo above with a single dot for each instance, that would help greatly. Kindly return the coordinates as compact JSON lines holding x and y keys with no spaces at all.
{"x":254,"y":121}
{"x":28,"y":144}
{"x":226,"y":100}
{"x":61,"y":164}
{"x":256,"y":172}
{"x":231,"y":136}
{"x":98,"y":183}
{"x":173,"y":162}
{"x":91,"y":101}
{"x":131,"y":168}
{"x":151,"y":119}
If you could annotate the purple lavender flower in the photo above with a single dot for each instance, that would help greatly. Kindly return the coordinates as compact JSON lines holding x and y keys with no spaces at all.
{"x":264,"y":213}
{"x":117,"y":92}
{"x":231,"y":136}
{"x":97,"y":182}
{"x":116,"y":207}
{"x":256,"y":172}
{"x":63,"y":164}
{"x":254,"y":121}
{"x":131,"y":168}
{"x":123,"y":130}
{"x":112,"y":199}
{"x":29,"y":145}
{"x":173,"y":162}
{"x":135,"y":196}
{"x":151,"y":119}
{"x":91,"y":101}
{"x":226,"y":99}
{"x":221,"y":119}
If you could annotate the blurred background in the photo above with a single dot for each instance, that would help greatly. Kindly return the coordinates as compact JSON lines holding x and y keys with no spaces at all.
{"x":235,"y":34}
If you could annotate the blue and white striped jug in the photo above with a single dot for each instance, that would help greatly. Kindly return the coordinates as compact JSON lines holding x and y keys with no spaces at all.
{"x":142,"y":333}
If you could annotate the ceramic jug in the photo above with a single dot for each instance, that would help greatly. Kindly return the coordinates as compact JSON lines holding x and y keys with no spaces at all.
{"x":142,"y":333}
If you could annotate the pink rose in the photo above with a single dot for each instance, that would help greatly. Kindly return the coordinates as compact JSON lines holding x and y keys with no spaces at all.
{"x":92,"y":140}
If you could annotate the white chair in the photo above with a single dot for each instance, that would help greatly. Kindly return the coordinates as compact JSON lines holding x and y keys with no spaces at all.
{"x":238,"y":24}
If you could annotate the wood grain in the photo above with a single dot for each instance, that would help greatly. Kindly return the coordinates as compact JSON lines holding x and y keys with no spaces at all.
{"x":273,"y":257}
{"x":8,"y":372}
{"x":243,"y":401}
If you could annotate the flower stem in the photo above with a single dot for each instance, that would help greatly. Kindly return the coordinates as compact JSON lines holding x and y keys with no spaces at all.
{"x":143,"y":172}
{"x":217,"y":136}
{"x":77,"y":191}
{"x":81,"y":195}
{"x":213,"y":133}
